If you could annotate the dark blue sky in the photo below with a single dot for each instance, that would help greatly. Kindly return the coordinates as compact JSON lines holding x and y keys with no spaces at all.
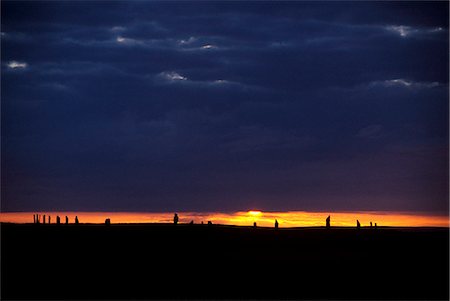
{"x":210,"y":106}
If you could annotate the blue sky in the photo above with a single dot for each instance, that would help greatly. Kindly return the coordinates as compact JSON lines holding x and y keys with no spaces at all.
{"x":222,"y":106}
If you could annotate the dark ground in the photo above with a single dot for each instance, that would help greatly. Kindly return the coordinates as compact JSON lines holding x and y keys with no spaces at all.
{"x":221,"y":262}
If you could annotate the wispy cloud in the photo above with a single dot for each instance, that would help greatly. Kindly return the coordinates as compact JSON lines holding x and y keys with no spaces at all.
{"x":172,"y":76}
{"x":55,"y":86}
{"x":405,"y":83}
{"x":188,"y":41}
{"x":118,"y":29}
{"x":176,"y":77}
{"x":408,"y":31}
{"x":208,"y":46}
{"x":16,"y":65}
{"x":129,"y":41}
{"x":190,"y":44}
{"x":401,"y":30}
{"x":195,"y":43}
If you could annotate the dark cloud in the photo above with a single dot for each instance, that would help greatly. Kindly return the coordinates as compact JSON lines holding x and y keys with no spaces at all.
{"x":218,"y":106}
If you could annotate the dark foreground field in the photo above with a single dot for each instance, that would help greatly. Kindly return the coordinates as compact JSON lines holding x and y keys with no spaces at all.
{"x":201,"y":262}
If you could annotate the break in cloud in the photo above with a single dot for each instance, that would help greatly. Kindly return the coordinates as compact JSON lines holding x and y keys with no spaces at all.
{"x":216,"y":106}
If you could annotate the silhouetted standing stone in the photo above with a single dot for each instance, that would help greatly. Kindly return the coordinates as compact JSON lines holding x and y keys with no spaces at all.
{"x":254,"y":224}
{"x":34,"y":219}
{"x":76,"y":220}
{"x":328,"y":224}
{"x":175,"y":219}
{"x":191,"y":223}
{"x":209,"y":223}
{"x":67,"y":220}
{"x":107,"y":221}
{"x":58,"y":220}
{"x":43,"y":220}
{"x":375,"y":225}
{"x":49,"y":219}
{"x":370,"y":224}
{"x":358,"y":225}
{"x":276,"y":224}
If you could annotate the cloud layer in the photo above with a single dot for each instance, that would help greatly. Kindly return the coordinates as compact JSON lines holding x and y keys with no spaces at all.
{"x":214,"y":106}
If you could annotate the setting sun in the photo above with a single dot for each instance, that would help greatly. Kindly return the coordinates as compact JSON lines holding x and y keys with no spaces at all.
{"x":254,"y":213}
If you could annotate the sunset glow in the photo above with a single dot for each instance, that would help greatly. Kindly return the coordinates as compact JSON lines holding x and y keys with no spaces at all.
{"x":246,"y":218}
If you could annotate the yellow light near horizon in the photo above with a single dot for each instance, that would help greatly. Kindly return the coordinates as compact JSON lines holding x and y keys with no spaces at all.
{"x":247,"y":218}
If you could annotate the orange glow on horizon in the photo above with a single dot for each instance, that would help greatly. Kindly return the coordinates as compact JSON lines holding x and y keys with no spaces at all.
{"x":245,"y":218}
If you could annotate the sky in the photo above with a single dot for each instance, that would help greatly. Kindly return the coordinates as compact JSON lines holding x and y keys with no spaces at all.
{"x":224,"y":106}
